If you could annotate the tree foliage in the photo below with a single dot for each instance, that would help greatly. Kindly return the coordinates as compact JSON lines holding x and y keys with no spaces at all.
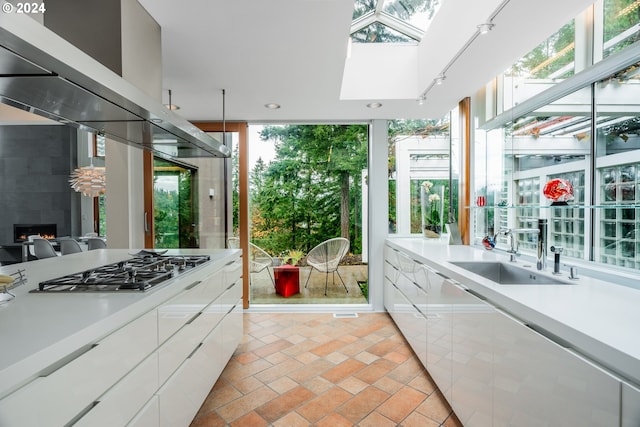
{"x":173,"y":214}
{"x":311,"y":191}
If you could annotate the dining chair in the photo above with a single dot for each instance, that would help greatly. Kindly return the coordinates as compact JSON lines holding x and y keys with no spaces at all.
{"x":69,"y":246}
{"x":325,"y":258}
{"x":259,"y":259}
{"x":43,"y":249}
{"x":31,"y":238}
{"x":96,"y":243}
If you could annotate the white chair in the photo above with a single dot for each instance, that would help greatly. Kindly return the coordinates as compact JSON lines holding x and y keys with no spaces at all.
{"x":259,"y":259}
{"x":43,"y":249}
{"x":69,"y":246}
{"x":96,"y":243}
{"x":325,"y":258}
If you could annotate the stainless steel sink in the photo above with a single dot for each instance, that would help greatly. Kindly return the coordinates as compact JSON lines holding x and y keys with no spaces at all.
{"x":508,"y":274}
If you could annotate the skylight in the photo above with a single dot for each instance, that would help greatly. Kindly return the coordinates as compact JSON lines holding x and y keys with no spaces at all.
{"x":391,"y":21}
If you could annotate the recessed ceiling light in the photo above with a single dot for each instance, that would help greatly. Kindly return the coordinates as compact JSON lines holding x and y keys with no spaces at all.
{"x":272,"y":106}
{"x":374,"y":105}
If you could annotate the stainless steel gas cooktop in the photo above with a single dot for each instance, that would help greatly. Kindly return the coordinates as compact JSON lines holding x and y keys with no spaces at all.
{"x":140,"y":273}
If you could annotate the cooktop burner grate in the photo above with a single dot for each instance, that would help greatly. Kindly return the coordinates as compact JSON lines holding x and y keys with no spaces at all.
{"x":137,"y":274}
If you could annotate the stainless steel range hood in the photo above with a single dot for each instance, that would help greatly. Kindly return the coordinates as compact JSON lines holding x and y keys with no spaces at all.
{"x":42,"y":73}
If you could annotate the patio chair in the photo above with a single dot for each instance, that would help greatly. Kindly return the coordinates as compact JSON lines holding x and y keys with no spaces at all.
{"x":325,"y":258}
{"x":259,"y":259}
{"x":69,"y":246}
{"x":43,"y":249}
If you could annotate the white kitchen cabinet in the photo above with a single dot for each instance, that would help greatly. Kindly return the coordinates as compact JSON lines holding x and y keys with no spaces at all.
{"x":122,"y":402}
{"x":630,"y":416}
{"x":182,"y":394}
{"x":538,"y":382}
{"x":471,"y":357}
{"x":232,"y":324}
{"x":117,"y":378}
{"x":190,"y":316}
{"x":410,"y":321}
{"x":149,"y":415}
{"x":440,"y":332}
{"x":71,"y":390}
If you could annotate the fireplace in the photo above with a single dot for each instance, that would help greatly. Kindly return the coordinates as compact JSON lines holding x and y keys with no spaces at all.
{"x":21,"y":232}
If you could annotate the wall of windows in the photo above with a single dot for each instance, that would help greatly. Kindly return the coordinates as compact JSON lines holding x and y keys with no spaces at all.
{"x":419,"y":151}
{"x":589,"y":136}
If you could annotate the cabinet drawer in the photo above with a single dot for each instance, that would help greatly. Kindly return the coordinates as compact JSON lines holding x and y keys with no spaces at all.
{"x":149,"y":416}
{"x":411,"y":323}
{"x":232,"y":271}
{"x":71,"y":390}
{"x":176,"y":312}
{"x":391,"y":272}
{"x":183,"y":393}
{"x":537,"y":379}
{"x":391,"y":256}
{"x":407,"y":266}
{"x":412,"y":292}
{"x":233,"y":328}
{"x":630,"y":406}
{"x":173,"y":352}
{"x":123,"y":401}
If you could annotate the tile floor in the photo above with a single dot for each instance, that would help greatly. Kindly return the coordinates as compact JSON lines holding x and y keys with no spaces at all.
{"x":304,"y":369}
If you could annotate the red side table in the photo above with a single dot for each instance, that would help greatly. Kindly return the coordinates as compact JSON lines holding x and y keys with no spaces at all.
{"x":287,"y":278}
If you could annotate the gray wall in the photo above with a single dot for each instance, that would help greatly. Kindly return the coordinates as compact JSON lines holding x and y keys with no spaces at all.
{"x":35,"y":163}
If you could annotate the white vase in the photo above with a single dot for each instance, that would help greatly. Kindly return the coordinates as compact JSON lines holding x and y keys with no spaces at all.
{"x":432,"y":206}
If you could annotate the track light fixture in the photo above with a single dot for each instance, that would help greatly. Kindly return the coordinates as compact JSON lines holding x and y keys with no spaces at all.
{"x":485,"y":28}
{"x":421,"y":99}
{"x":439,"y":80}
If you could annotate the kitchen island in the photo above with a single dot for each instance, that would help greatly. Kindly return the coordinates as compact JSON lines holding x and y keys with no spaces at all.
{"x":513,"y":354}
{"x":73,"y":357}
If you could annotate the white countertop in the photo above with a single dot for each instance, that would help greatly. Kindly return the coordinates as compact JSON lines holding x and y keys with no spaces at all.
{"x":38,"y":329}
{"x":598,"y":319}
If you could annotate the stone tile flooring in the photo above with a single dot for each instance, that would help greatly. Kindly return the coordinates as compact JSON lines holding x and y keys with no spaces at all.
{"x":299,"y":369}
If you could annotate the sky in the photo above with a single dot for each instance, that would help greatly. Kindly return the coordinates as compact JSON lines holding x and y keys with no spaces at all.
{"x":259,"y":148}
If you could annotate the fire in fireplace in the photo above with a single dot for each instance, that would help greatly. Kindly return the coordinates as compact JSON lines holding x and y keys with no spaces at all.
{"x":21,"y":232}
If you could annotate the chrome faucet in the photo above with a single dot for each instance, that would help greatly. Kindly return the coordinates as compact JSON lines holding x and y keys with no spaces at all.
{"x":541,"y":263}
{"x":513,"y":243}
{"x":557,"y":250}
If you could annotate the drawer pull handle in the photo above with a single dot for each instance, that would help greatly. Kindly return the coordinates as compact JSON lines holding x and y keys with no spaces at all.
{"x":193,"y":318}
{"x":194,"y":350}
{"x":65,"y":361}
{"x":82,"y":413}
{"x":193,"y":285}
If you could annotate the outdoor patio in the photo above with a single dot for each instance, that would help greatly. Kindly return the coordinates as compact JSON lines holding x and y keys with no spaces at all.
{"x":263,"y":291}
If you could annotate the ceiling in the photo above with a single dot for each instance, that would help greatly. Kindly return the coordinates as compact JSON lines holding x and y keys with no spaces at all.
{"x":295,"y":53}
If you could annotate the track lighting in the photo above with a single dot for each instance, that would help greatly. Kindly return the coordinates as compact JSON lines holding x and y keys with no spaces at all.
{"x":485,"y":28}
{"x":440,"y":79}
{"x":422,"y":99}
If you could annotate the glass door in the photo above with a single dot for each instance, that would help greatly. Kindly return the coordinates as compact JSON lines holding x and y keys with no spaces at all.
{"x":175,"y":210}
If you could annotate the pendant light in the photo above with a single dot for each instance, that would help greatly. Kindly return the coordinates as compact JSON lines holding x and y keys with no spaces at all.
{"x":89,"y":180}
{"x":171,"y":106}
